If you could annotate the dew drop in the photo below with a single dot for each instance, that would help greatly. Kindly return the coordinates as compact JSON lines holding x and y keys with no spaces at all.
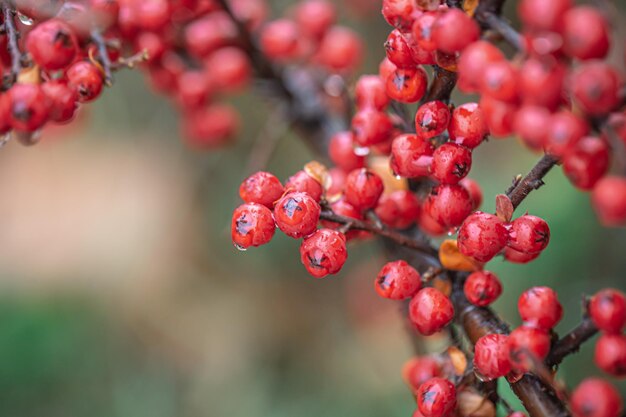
{"x":25,"y":20}
{"x":398,"y":177}
{"x":362,"y":151}
{"x":480,"y":376}
{"x":240,"y":248}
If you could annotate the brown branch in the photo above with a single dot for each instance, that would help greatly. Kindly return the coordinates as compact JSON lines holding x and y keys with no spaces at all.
{"x":12,"y":36}
{"x":103,"y":56}
{"x":532,"y":181}
{"x":500,"y":25}
{"x":442,"y":85}
{"x":571,"y":342}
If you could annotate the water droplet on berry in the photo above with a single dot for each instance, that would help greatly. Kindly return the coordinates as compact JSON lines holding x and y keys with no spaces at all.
{"x":362,"y":151}
{"x":240,"y":248}
{"x":480,"y":376}
{"x":25,"y":20}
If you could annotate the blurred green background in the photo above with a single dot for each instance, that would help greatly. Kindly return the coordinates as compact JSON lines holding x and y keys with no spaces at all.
{"x":122,"y":296}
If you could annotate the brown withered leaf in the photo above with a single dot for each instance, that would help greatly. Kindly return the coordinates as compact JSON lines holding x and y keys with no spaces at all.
{"x":504,"y":207}
{"x":472,"y":404}
{"x":458,"y":359}
{"x":319,"y":173}
{"x":470,"y":6}
{"x":451,"y":258}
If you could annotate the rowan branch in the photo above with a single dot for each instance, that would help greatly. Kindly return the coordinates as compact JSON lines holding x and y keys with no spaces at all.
{"x":12,"y":34}
{"x":103,"y":56}
{"x":497,"y":23}
{"x":442,"y":85}
{"x":571,"y":342}
{"x":532,"y":181}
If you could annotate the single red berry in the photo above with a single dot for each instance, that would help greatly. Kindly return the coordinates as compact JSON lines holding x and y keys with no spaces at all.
{"x":436,"y":398}
{"x":543,"y":15}
{"x":564,"y":130}
{"x":422,"y":30}
{"x":420,"y":369}
{"x":252,"y":12}
{"x":397,"y":280}
{"x":609,"y":200}
{"x":315,"y":17}
{"x":212,"y":31}
{"x":482,"y":288}
{"x":303,"y":182}
{"x":341,"y":152}
{"x":454,"y":30}
{"x":52,"y":45}
{"x":29,"y":107}
{"x":595,"y":397}
{"x":371,"y":127}
{"x":474,"y":190}
{"x":539,"y":307}
{"x":529,"y":234}
{"x":472,"y":63}
{"x":430,"y":311}
{"x":491,"y":356}
{"x":63,"y":100}
{"x":407,"y":85}
{"x":399,"y":209}
{"x":585,"y":33}
{"x":324,"y":252}
{"x":153,"y":44}
{"x":229,"y":69}
{"x":449,"y":204}
{"x":528,"y":346}
{"x":432,"y":119}
{"x":423,"y":56}
{"x":529,"y":123}
{"x":586,"y":162}
{"x":411,"y":156}
{"x":252,"y":225}
{"x":363,"y":189}
{"x":468,"y":126}
{"x":595,"y":86}
{"x":517,"y":257}
{"x":341,"y":50}
{"x":398,"y":50}
{"x":398,"y":13}
{"x":370,"y":92}
{"x":451,"y":163}
{"x":86,"y":79}
{"x":608,"y":310}
{"x":5,"y":113}
{"x":541,"y":82}
{"x":152,"y":15}
{"x":280,"y":39}
{"x":297,"y":214}
{"x":482,"y":236}
{"x":500,"y":80}
{"x":210,"y":127}
{"x":610,"y":354}
{"x":499,"y":116}
{"x":194,"y":89}
{"x":262,"y":188}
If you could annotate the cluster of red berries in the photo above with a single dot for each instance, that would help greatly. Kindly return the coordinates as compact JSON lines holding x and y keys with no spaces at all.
{"x":607,"y":310}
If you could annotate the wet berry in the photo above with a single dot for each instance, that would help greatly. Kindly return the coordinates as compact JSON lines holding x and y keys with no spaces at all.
{"x":252,"y":225}
{"x":397,"y":280}
{"x":468,"y":126}
{"x":399,"y":209}
{"x":324,"y":252}
{"x":529,"y":234}
{"x":430,"y":311}
{"x":407,"y":85}
{"x":609,"y":200}
{"x":529,"y":123}
{"x":297,"y":214}
{"x":595,"y":87}
{"x":517,"y":257}
{"x":482,"y":236}
{"x":29,"y":107}
{"x":420,"y":369}
{"x":595,"y":397}
{"x":363,"y":189}
{"x":341,"y":50}
{"x":528,"y":347}
{"x":303,"y":182}
{"x":449,"y":205}
{"x":432,"y":119}
{"x":454,"y":30}
{"x":370,"y":92}
{"x":451,"y":163}
{"x":370,"y":127}
{"x":491,"y":356}
{"x":607,"y":309}
{"x":63,"y":100}
{"x":610,"y":354}
{"x":436,"y":398}
{"x":539,"y":307}
{"x":472,"y":63}
{"x":84,"y":78}
{"x":482,"y":288}
{"x":474,"y":190}
{"x":52,"y":45}
{"x":411,"y":156}
{"x":341,"y":152}
{"x":262,"y":188}
{"x":564,"y":130}
{"x":586,"y":162}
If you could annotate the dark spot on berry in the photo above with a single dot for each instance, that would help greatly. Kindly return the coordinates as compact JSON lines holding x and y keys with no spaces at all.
{"x":399,"y":81}
{"x":243,"y":226}
{"x":429,"y":397}
{"x":315,"y":261}
{"x":382,"y":282}
{"x":460,"y":170}
{"x":291,"y":206}
{"x":22,"y":112}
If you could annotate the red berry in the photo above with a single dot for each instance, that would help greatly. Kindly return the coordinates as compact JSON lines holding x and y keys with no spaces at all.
{"x":609,"y":200}
{"x":314,"y":17}
{"x":608,"y":310}
{"x":585,"y":33}
{"x":52,"y":45}
{"x":595,"y":86}
{"x":472,"y":63}
{"x":303,"y":182}
{"x":229,"y":69}
{"x":482,"y":236}
{"x":341,"y":49}
{"x":152,"y":15}
{"x":610,"y":354}
{"x":518,"y":257}
{"x":449,"y":204}
{"x":411,"y":156}
{"x":586,"y":162}
{"x":398,"y":280}
{"x":385,"y":69}
{"x":500,"y":80}
{"x":541,"y":82}
{"x":407,"y":85}
{"x":195,"y":88}
{"x":370,"y":92}
{"x":432,"y":119}
{"x":451,"y":163}
{"x":543,"y":15}
{"x":279,"y":39}
{"x":86,"y":79}
{"x":539,"y":307}
{"x":208,"y":33}
{"x":363,"y":189}
{"x":498,"y":115}
{"x":297,"y":214}
{"x":430,"y":311}
{"x":595,"y":397}
{"x":529,"y":123}
{"x":370,"y":127}
{"x":153,"y":44}
{"x":474,"y":190}
{"x":436,"y":398}
{"x":427,"y":224}
{"x":454,"y":30}
{"x":29,"y":107}
{"x":422,"y":31}
{"x":341,"y":152}
{"x":529,"y":234}
{"x":262,"y":188}
{"x":420,"y":369}
{"x":63,"y":100}
{"x":210,"y":127}
{"x":252,"y":225}
{"x":468,"y":126}
{"x":399,"y":209}
{"x":5,"y":113}
{"x":398,"y":50}
{"x":398,"y":13}
{"x":528,"y":346}
{"x":564,"y":130}
{"x":482,"y":288}
{"x":491,"y":356}
{"x":324,"y":252}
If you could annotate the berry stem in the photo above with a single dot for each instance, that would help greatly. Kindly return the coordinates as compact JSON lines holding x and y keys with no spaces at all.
{"x":103,"y":56}
{"x":501,"y":26}
{"x":12,"y":35}
{"x":532,"y":181}
{"x":442,"y":85}
{"x":571,"y":342}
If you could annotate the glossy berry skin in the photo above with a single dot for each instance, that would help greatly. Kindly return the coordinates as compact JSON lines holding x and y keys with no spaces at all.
{"x":341,"y":152}
{"x":543,"y":15}
{"x":262,"y":188}
{"x":482,"y":288}
{"x":474,"y":190}
{"x":398,"y":12}
{"x":411,"y":156}
{"x":430,"y":311}
{"x":420,"y":369}
{"x":427,"y":224}
{"x":595,"y":397}
{"x":449,"y":205}
{"x":451,"y":163}
{"x":607,"y":310}
{"x":609,"y":200}
{"x":468,"y":126}
{"x":63,"y":100}
{"x":363,"y":189}
{"x":564,"y":130}
{"x":303,"y":182}
{"x":541,"y":82}
{"x":482,"y":236}
{"x":610,"y":354}
{"x":539,"y":307}
{"x":529,"y":234}
{"x":436,"y":398}
{"x":252,"y":225}
{"x":517,"y":257}
{"x":84,"y":78}
{"x":398,"y":50}
{"x":500,"y":81}
{"x":397,"y":280}
{"x":491,"y":356}
{"x":422,"y":31}
{"x":399,"y":209}
{"x":595,"y":87}
{"x":370,"y":92}
{"x":407,"y":85}
{"x":499,"y":115}
{"x":454,"y":30}
{"x":297,"y":214}
{"x":585,"y":33}
{"x":432,"y":119}
{"x":586,"y":162}
{"x":324,"y":252}
{"x":52,"y":45}
{"x":29,"y":107}
{"x":279,"y":39}
{"x":527,"y":346}
{"x":472,"y":63}
{"x":370,"y":127}
{"x":529,"y":123}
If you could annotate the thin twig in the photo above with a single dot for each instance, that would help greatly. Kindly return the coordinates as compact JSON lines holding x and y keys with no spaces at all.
{"x":442,"y":85}
{"x":532,"y":181}
{"x":12,"y":36}
{"x":571,"y":342}
{"x":103,"y":56}
{"x":497,"y":23}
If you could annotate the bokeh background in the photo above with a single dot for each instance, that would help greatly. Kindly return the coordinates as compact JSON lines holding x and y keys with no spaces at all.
{"x":121,"y":294}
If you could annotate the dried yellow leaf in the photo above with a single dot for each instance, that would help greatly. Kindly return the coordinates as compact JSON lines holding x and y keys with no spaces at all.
{"x":470,"y":6}
{"x":458,"y":359}
{"x":319,"y":173}
{"x":452,"y":258}
{"x":30,"y":76}
{"x":380,"y":166}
